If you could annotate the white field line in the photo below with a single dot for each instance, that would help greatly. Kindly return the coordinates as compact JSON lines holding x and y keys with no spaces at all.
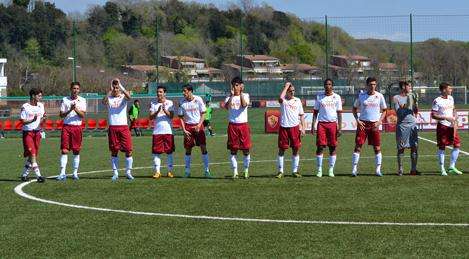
{"x":19,"y":190}
{"x":431,"y":141}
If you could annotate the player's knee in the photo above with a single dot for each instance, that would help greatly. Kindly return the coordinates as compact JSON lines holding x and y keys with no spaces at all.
{"x":128,"y":154}
{"x":357,"y":149}
{"x":401,"y":151}
{"x":332,"y":150}
{"x":441,"y":148}
{"x":281,"y":152}
{"x":377,"y":149}
{"x":319,"y":150}
{"x":64,"y":151}
{"x":246,"y":152}
{"x":76,"y":153}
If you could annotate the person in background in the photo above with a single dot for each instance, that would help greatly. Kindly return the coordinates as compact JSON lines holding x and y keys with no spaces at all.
{"x":208,"y":118}
{"x":133,"y":115}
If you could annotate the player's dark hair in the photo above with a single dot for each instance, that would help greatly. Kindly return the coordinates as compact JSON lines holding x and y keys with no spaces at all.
{"x":371,"y":79}
{"x":328,"y":80}
{"x":137,"y":101}
{"x":75,"y":83}
{"x":403,"y":84}
{"x":443,"y":86}
{"x":236,"y":80}
{"x":161,"y":87}
{"x":188,"y":87}
{"x":34,"y":91}
{"x":115,"y":82}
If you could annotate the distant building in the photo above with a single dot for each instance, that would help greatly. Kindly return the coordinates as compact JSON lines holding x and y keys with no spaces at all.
{"x":355,"y":65}
{"x":389,"y":71}
{"x":256,"y":67}
{"x":301,"y":71}
{"x":3,"y":77}
{"x":196,"y":68}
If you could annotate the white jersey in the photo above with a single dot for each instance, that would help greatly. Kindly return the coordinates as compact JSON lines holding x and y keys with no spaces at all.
{"x":28,"y":112}
{"x":236,"y":112}
{"x":370,"y":106}
{"x":191,"y":110}
{"x":162,"y":122}
{"x":72,"y":118}
{"x":444,"y":107}
{"x":117,"y":110}
{"x":327,"y":107}
{"x":290,"y":111}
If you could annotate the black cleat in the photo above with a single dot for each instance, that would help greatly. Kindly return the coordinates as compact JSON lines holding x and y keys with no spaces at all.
{"x":41,"y":179}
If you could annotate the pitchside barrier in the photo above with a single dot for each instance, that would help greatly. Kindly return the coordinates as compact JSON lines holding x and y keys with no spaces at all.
{"x":424,"y":121}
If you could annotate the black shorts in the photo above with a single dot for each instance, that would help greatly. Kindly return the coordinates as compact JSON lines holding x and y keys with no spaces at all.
{"x":206,"y":123}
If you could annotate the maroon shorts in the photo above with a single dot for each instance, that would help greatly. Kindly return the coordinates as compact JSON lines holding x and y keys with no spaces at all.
{"x":239,"y":136}
{"x":370,"y":132}
{"x":289,"y":137}
{"x":119,"y":138}
{"x":71,"y":138}
{"x":326,"y":134}
{"x":445,"y":136}
{"x":31,"y":143}
{"x":163,"y":143}
{"x":196,"y":138}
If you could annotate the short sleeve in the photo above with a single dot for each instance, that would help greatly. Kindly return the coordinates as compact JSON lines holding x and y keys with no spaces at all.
{"x":170,"y":107}
{"x":23,"y":113}
{"x":180,"y":110}
{"x":152,"y":107}
{"x":300,"y":108}
{"x":435,"y":106}
{"x":201,"y":105}
{"x":356,"y":103}
{"x":338,"y":105}
{"x":226,"y":99}
{"x":382,"y":103}
{"x":63,"y":106}
{"x":395,"y":101}
{"x":83,"y":105}
{"x":247,"y":98}
{"x":316,"y":103}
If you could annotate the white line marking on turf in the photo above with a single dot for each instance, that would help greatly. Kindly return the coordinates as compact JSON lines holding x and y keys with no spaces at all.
{"x":19,"y":190}
{"x":431,"y":141}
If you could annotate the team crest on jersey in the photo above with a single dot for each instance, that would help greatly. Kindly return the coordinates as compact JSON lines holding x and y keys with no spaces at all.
{"x":272,"y":120}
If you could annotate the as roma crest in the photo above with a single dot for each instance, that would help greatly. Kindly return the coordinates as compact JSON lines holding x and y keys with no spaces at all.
{"x":272,"y":120}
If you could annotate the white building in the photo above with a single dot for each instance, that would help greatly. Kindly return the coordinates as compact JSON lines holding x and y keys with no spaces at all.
{"x":3,"y":78}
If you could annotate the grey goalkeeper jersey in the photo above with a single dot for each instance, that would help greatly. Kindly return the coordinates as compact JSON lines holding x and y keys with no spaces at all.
{"x":405,"y":106}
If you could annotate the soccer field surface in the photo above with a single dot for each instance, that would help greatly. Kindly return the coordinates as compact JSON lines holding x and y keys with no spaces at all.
{"x":32,"y":228}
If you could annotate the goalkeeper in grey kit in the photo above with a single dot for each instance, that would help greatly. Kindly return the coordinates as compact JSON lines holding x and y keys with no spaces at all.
{"x":406,"y":106}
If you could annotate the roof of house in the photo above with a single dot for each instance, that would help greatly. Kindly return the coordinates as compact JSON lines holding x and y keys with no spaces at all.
{"x":185,"y":58}
{"x":260,"y":58}
{"x":140,"y":68}
{"x":299,"y":67}
{"x":387,"y":66}
{"x":353,"y":57}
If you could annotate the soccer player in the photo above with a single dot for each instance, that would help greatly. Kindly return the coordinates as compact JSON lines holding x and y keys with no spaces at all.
{"x":239,"y":133}
{"x":328,"y":113}
{"x":208,"y":118}
{"x":446,"y":131}
{"x":406,"y":107}
{"x":72,"y":111}
{"x":372,"y":107}
{"x":191,"y":113}
{"x":31,"y":116}
{"x":162,"y":112}
{"x":119,"y":136}
{"x":292,"y":127}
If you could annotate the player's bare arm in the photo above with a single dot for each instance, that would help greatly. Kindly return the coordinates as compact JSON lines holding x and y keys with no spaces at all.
{"x":360,"y":124}
{"x":302,"y":124}
{"x":381,"y":119}
{"x":244,"y":103}
{"x":339,"y":121}
{"x":284,"y":92}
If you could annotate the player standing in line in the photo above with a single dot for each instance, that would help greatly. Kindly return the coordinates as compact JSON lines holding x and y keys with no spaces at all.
{"x":446,"y":131}
{"x":31,"y":116}
{"x":292,"y":127}
{"x":162,"y":112}
{"x":406,"y":107}
{"x":370,"y":104}
{"x":328,"y":113}
{"x":119,"y":136}
{"x":72,"y":111}
{"x":239,"y":133}
{"x":191,"y":113}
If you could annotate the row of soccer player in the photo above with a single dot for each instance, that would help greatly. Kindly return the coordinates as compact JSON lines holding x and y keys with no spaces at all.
{"x":327,"y":114}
